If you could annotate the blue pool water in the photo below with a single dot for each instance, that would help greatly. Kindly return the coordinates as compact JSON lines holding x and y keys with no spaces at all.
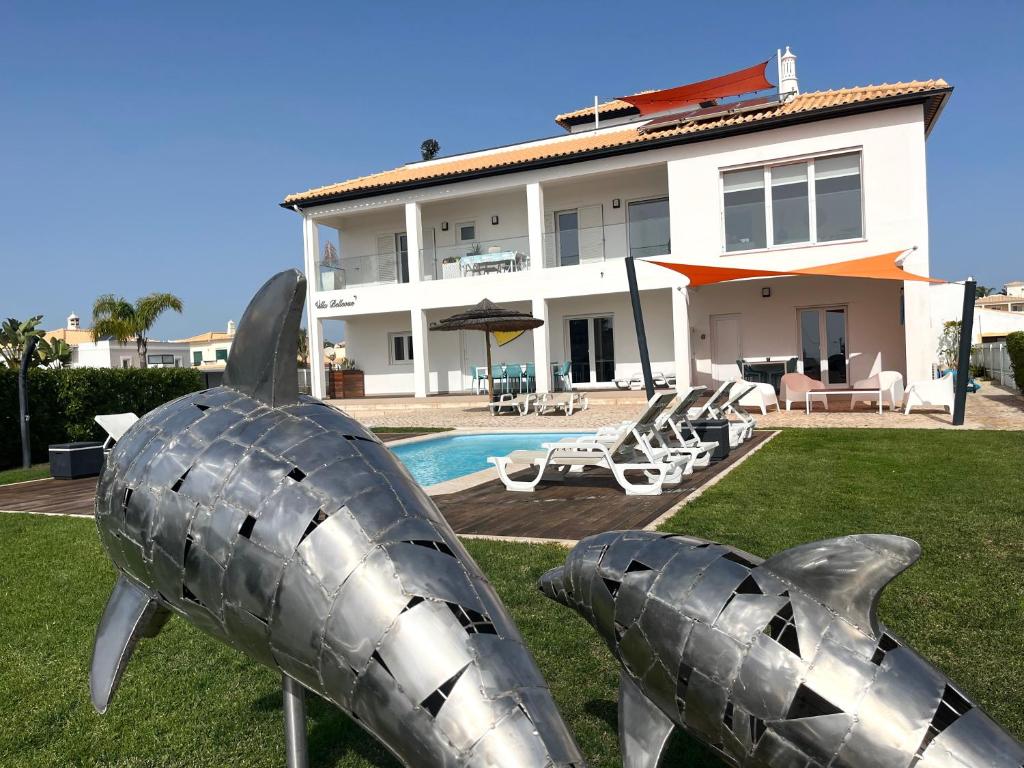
{"x":443,"y":458}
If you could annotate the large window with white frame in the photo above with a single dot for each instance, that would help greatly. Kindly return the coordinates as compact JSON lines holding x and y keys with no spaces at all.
{"x":648,"y":227}
{"x":817,"y":200}
{"x":400,"y":347}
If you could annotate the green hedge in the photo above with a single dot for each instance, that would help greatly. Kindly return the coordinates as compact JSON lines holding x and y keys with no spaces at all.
{"x":63,"y":402}
{"x":1015,"y":347}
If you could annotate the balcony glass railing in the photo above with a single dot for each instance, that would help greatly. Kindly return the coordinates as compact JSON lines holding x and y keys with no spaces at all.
{"x":479,"y":257}
{"x":372,"y":269}
{"x":586,"y":245}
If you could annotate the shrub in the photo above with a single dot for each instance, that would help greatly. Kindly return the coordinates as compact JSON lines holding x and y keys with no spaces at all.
{"x":1015,"y":348}
{"x":62,"y":402}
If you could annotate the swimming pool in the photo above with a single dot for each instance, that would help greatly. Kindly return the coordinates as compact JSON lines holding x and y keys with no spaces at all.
{"x":443,"y":458}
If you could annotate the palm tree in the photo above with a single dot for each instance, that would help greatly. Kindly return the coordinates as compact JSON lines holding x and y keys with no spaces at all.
{"x":115,"y":317}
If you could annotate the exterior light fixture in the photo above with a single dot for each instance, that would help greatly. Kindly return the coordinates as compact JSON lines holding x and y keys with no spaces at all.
{"x":616,"y":203}
{"x":494,"y":220}
{"x":766,"y":292}
{"x":444,"y":226}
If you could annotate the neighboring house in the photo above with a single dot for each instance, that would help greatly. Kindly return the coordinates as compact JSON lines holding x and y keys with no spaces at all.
{"x":789,"y":181}
{"x":210,"y":350}
{"x":991,"y":323}
{"x":72,"y":333}
{"x":108,"y":353}
{"x":1012,"y":301}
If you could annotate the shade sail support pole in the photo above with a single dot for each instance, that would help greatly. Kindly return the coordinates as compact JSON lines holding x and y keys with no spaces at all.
{"x":26,"y":435}
{"x":638,"y":322}
{"x":963,"y":366}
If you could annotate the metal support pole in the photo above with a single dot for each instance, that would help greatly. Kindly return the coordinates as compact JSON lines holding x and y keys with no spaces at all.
{"x":963,"y":370}
{"x":638,"y":321}
{"x":295,"y":742}
{"x":26,"y":437}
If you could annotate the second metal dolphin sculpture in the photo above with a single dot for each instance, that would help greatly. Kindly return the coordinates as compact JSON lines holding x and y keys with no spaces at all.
{"x":779,"y":663}
{"x":284,"y":528}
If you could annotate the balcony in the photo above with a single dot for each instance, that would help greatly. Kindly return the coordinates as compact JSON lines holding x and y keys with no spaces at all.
{"x":485,"y":257}
{"x":570,"y":246}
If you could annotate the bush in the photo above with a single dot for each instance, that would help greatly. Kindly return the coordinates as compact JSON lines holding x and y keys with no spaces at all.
{"x":1015,"y":348}
{"x":62,"y":402}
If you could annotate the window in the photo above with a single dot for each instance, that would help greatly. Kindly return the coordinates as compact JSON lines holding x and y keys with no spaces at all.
{"x":466,"y":231}
{"x":400,"y":347}
{"x":160,"y":359}
{"x":567,"y":237}
{"x":197,"y":358}
{"x":648,"y":227}
{"x":1017,"y":307}
{"x":126,"y":362}
{"x":221,"y":354}
{"x":813,"y":201}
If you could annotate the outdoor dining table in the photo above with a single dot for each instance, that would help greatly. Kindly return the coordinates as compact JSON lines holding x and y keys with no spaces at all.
{"x":502,"y":261}
{"x":865,"y":392}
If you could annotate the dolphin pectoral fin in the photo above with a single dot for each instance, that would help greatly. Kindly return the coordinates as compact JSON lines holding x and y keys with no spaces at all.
{"x":131,"y":613}
{"x":847,"y":574}
{"x":643,"y":728}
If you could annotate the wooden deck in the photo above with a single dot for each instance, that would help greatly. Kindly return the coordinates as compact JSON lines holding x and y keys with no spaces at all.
{"x":572,"y":509}
{"x":581,"y":506}
{"x":61,"y":497}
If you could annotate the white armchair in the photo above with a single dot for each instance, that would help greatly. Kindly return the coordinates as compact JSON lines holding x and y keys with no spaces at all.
{"x":891,"y":384}
{"x":935,"y":392}
{"x":761,"y":396}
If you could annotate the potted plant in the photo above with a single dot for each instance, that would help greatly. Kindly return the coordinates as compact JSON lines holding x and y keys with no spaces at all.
{"x":345,"y":379}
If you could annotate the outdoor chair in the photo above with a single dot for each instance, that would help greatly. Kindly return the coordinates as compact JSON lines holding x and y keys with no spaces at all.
{"x":891,"y":384}
{"x":631,"y":452}
{"x":514,"y":373}
{"x":519,"y":402}
{"x":795,"y":386}
{"x":563,"y":376}
{"x":498,"y":377}
{"x":935,"y":392}
{"x":761,"y":396}
{"x":530,"y":375}
{"x":115,"y":425}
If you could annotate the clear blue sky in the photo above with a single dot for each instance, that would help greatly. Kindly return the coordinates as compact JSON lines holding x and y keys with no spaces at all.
{"x":145,"y":146}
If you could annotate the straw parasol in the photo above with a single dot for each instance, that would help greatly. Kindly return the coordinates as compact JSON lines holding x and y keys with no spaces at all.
{"x":488,"y":317}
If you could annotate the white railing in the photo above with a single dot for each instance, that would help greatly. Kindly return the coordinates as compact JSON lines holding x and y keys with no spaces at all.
{"x":995,"y":359}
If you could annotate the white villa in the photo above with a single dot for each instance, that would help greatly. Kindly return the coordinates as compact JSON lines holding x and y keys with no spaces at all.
{"x":789,"y":181}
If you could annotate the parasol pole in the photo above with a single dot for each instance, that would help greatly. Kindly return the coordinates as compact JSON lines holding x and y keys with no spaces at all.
{"x":490,"y":380}
{"x":638,"y":322}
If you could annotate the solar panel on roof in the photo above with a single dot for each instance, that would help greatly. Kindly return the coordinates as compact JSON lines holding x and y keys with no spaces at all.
{"x":718,"y":110}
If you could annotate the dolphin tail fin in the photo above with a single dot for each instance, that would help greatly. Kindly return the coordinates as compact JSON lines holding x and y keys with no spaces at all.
{"x":552,"y":584}
{"x":643,"y":728}
{"x":131,"y":613}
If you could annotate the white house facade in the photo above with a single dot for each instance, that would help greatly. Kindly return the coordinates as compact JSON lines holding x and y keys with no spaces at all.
{"x":792,"y":181}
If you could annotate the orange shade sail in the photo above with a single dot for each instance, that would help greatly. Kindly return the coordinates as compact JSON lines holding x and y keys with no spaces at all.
{"x":881,"y":267}
{"x":746,"y":80}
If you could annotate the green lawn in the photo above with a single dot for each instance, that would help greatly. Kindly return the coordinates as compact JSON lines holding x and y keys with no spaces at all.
{"x":186,"y":700}
{"x":35,"y":472}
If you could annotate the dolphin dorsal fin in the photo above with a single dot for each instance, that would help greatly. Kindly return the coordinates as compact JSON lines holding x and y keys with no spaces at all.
{"x":264,"y":354}
{"x":847,"y":574}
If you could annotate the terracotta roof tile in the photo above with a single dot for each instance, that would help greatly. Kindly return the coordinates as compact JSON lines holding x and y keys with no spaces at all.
{"x":576,"y":144}
{"x":71,"y":336}
{"x":604,"y":108}
{"x":208,"y":337}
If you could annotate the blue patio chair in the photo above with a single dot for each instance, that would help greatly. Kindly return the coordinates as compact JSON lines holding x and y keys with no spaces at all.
{"x":530,"y":374}
{"x":514,"y":374}
{"x":565,"y":376}
{"x":498,"y":374}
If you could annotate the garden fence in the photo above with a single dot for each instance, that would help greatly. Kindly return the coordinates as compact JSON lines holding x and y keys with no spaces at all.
{"x":995,"y":359}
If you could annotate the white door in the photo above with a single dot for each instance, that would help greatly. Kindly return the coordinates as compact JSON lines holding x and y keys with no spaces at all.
{"x":823,"y":354}
{"x":726,"y":347}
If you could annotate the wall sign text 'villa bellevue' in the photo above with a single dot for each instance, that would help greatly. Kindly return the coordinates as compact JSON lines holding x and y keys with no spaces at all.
{"x":335,"y":303}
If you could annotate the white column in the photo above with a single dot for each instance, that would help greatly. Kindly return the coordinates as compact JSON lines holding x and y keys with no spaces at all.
{"x":414,"y":235}
{"x":542,"y":346}
{"x":535,"y":226}
{"x":681,"y":336}
{"x":314,"y":325}
{"x":421,"y":353}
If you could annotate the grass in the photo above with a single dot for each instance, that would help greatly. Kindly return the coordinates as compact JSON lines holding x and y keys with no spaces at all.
{"x":187,"y":700}
{"x":35,"y":472}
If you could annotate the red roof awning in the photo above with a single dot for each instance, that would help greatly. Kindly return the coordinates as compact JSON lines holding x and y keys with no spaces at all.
{"x":882,"y":267}
{"x":746,"y":80}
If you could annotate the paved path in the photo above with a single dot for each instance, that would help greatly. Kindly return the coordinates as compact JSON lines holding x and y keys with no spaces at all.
{"x":991,"y":408}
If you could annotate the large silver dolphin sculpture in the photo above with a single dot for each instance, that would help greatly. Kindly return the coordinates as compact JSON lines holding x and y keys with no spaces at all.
{"x":778,"y":663}
{"x":284,"y":528}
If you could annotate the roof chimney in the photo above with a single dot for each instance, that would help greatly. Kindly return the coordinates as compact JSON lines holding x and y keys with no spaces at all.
{"x":73,"y":322}
{"x":231,"y":327}
{"x":788,"y":85}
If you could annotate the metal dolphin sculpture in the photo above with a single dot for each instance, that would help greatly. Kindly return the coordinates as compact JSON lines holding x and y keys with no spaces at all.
{"x":773,"y":663}
{"x":284,"y":528}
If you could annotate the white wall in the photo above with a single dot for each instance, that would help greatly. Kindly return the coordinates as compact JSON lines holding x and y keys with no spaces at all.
{"x":769,"y":326}
{"x":108,"y":354}
{"x":947,"y":304}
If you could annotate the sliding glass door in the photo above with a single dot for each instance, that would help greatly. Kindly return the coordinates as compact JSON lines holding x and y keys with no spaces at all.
{"x":823,"y":344}
{"x":590,"y":345}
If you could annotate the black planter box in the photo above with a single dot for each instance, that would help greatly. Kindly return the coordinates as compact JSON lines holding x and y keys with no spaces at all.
{"x":714,"y":430}
{"x":71,"y":460}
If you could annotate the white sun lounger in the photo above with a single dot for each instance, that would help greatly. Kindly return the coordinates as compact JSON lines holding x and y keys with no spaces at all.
{"x":115,"y":424}
{"x":728,"y":403}
{"x":520,"y":402}
{"x":629,"y":452}
{"x":561,"y":401}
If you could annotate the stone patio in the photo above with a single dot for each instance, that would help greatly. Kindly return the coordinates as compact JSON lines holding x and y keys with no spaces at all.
{"x":993,"y":407}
